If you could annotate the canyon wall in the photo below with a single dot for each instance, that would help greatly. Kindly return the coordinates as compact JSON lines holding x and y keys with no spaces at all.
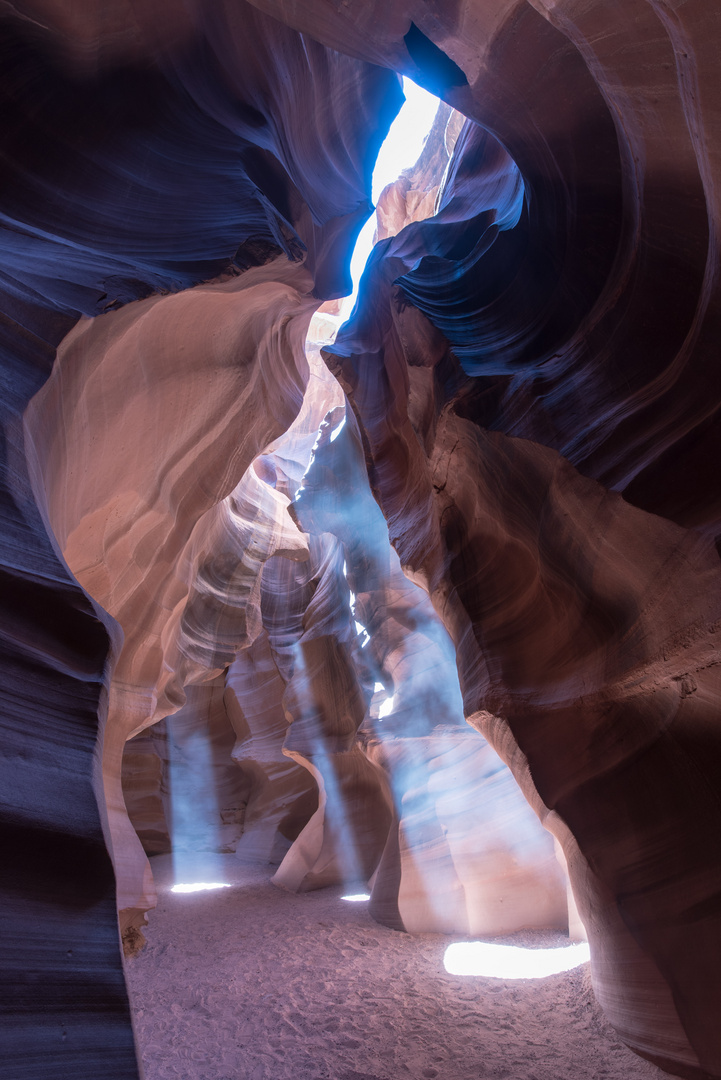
{"x":135,"y":173}
{"x":531,"y":390}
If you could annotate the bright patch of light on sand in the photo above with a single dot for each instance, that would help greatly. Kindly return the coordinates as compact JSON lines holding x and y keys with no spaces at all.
{"x":510,"y":961}
{"x":200,"y":886}
{"x":356,"y":898}
{"x":386,"y":708}
{"x":400,"y":150}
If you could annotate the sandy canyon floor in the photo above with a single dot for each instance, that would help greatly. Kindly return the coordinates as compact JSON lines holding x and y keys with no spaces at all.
{"x":253,"y":983}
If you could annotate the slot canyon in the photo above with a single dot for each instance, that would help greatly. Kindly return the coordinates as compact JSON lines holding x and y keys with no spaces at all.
{"x":416,"y":593}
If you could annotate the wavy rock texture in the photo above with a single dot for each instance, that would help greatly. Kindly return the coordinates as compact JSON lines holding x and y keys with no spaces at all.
{"x":584,"y":306}
{"x":532,"y":373}
{"x":216,"y":623}
{"x":325,"y":701}
{"x":590,"y":650}
{"x":282,"y":797}
{"x":588,"y":626}
{"x":442,"y":870}
{"x":131,"y":170}
{"x":149,"y":542}
{"x":144,"y":776}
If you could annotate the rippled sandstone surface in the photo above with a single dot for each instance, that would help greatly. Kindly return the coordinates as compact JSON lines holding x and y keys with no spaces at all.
{"x":532,"y":377}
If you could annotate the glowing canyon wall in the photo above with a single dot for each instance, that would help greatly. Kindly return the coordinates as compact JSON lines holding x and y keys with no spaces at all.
{"x":524,"y":404}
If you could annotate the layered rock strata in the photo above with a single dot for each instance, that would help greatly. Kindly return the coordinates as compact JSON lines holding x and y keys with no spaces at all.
{"x":533,"y":376}
{"x":144,"y":776}
{"x":494,"y":874}
{"x":584,"y":629}
{"x":282,"y":796}
{"x":171,"y":561}
{"x":132,"y":169}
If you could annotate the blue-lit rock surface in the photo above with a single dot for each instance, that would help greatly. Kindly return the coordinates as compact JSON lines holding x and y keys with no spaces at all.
{"x":532,"y":377}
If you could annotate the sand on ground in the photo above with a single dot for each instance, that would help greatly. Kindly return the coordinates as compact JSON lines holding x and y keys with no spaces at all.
{"x":254,"y":983}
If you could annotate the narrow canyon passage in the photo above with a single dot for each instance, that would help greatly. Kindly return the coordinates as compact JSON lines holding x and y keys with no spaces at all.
{"x":253,"y":983}
{"x":413,"y":581}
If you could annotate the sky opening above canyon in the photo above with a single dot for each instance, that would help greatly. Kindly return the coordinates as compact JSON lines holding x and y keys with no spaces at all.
{"x":400,"y":150}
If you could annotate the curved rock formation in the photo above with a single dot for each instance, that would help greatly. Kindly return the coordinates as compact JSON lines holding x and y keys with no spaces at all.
{"x":584,"y":647}
{"x":325,"y":701}
{"x":282,"y":797}
{"x":131,"y":169}
{"x":145,"y":788}
{"x":495,"y":872}
{"x":138,"y":532}
{"x":532,"y":373}
{"x":587,"y":626}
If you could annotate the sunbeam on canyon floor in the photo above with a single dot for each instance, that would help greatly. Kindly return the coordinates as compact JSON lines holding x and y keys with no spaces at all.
{"x":482,"y":958}
{"x":255,"y":983}
{"x":199,"y":886}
